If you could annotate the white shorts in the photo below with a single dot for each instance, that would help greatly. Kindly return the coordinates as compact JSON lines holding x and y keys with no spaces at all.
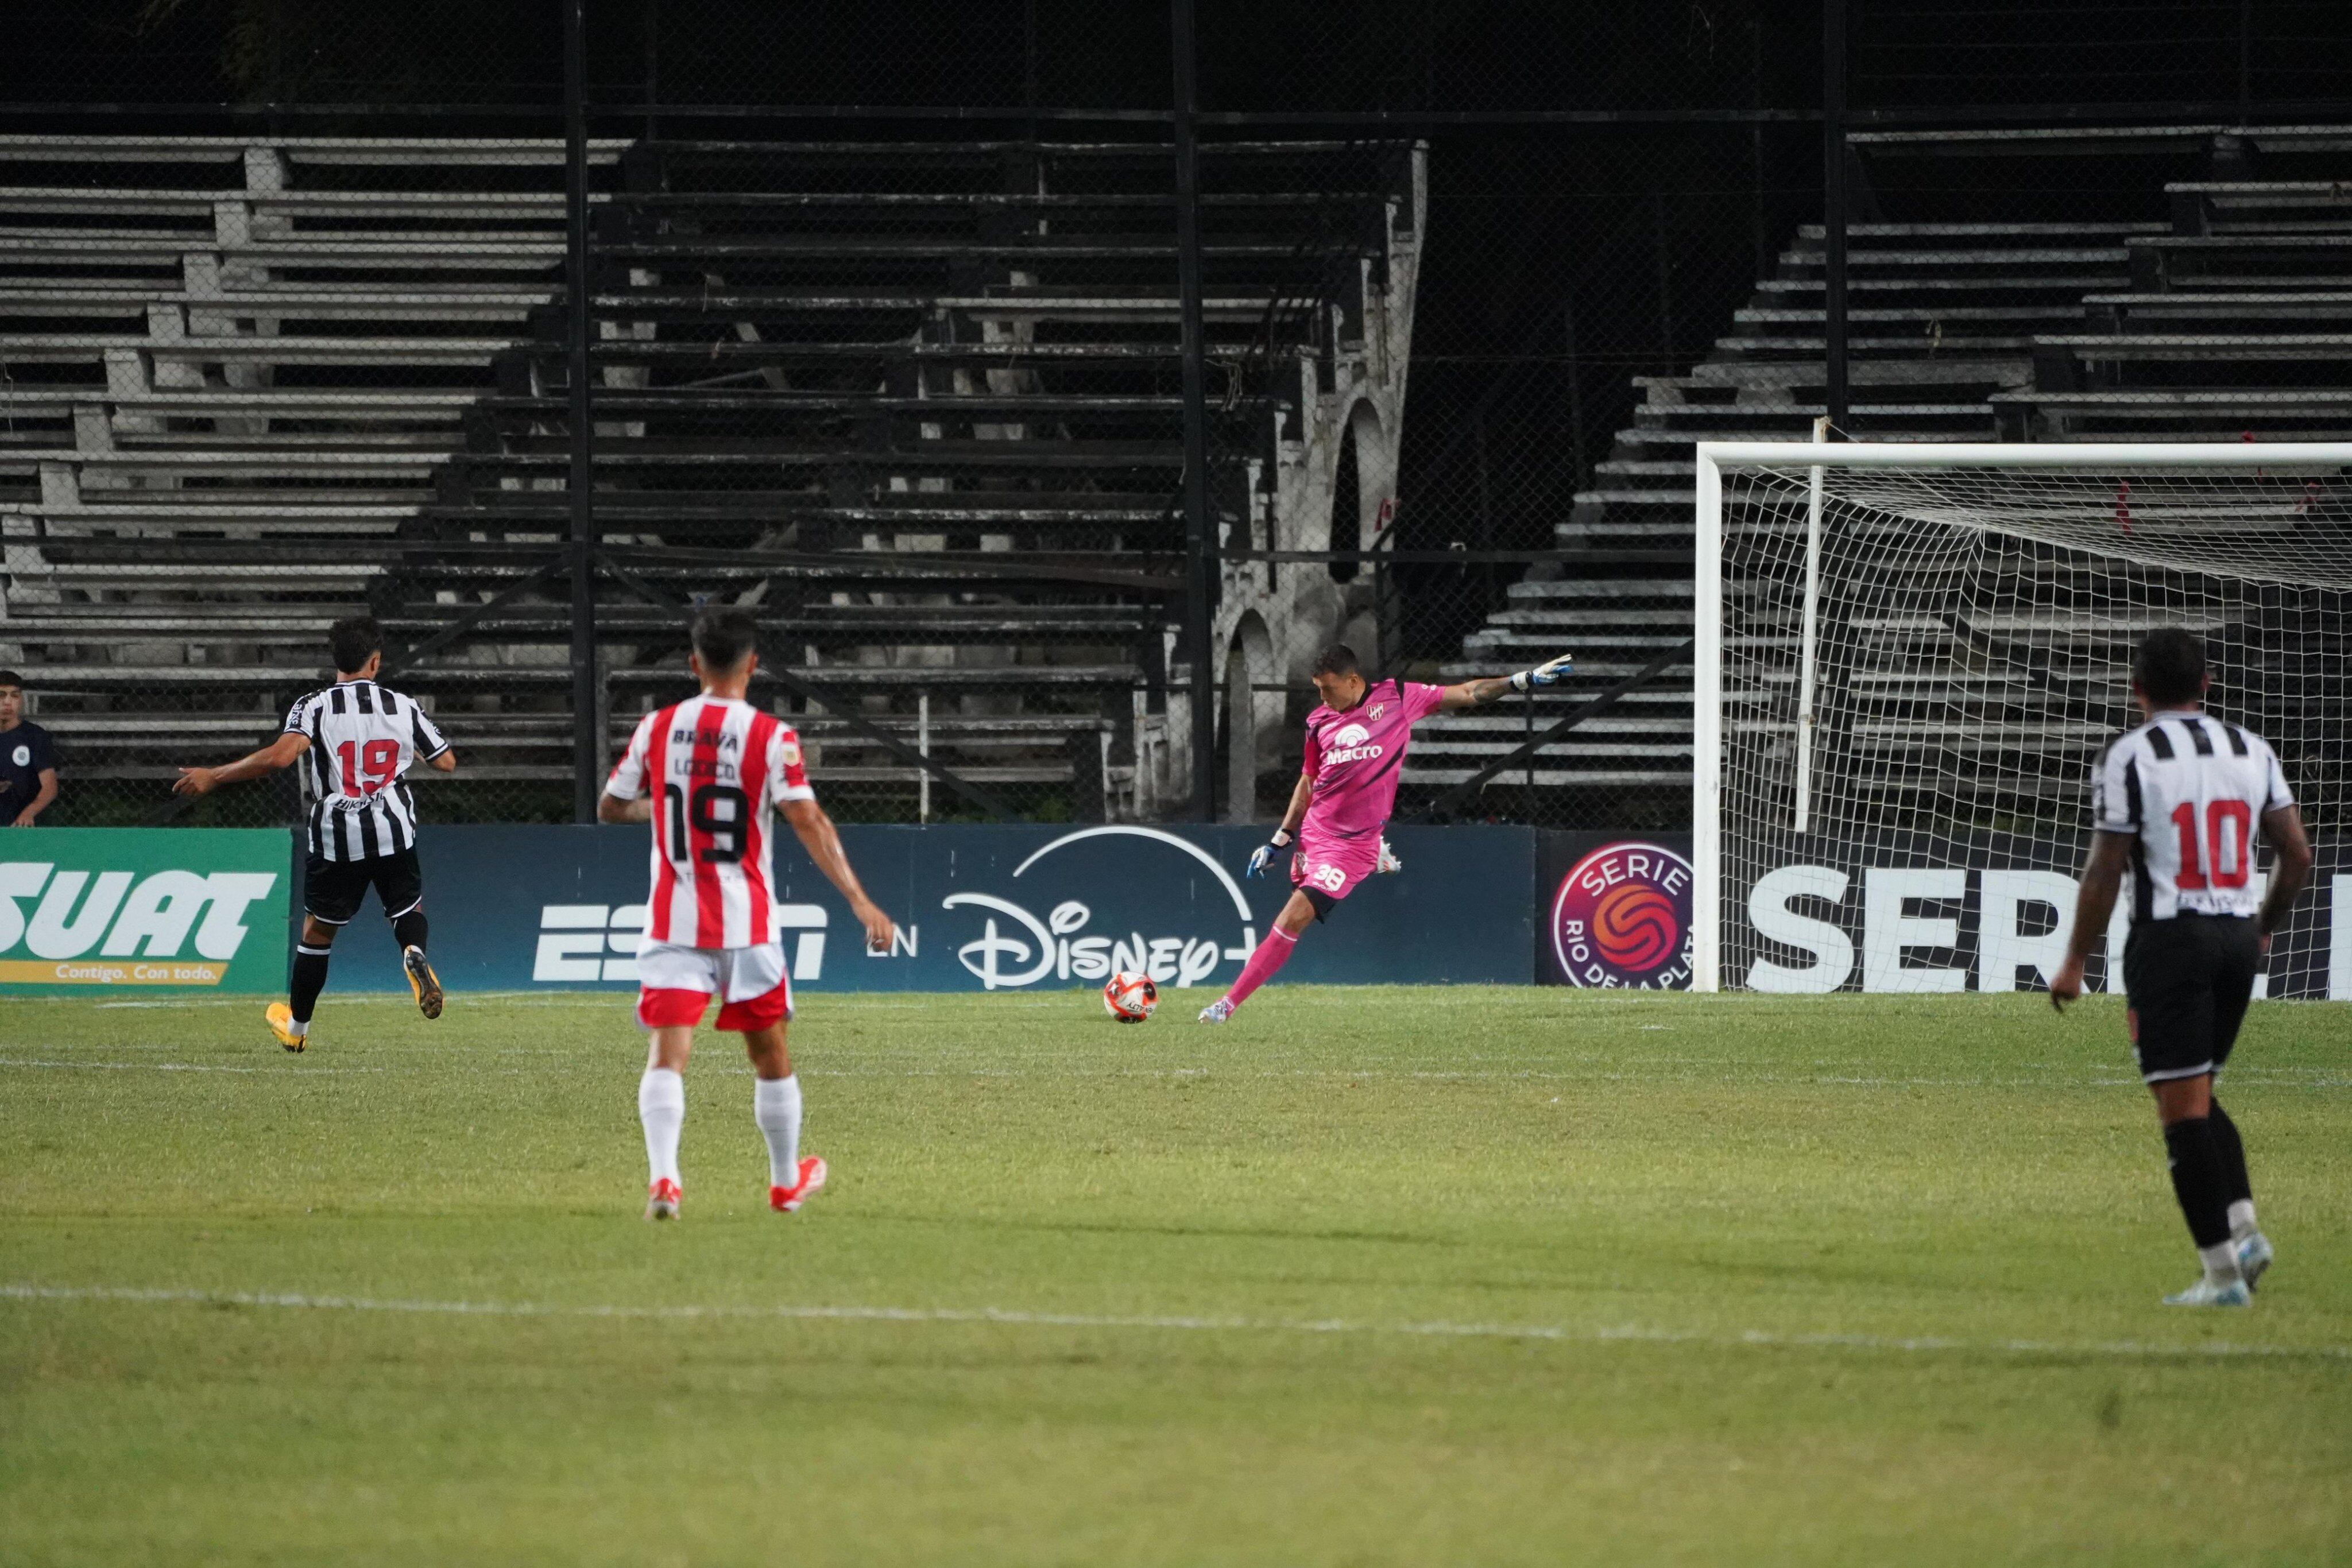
{"x":675,"y":985}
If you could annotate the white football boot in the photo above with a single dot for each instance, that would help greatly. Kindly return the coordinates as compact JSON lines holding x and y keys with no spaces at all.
{"x":2254,"y":1257}
{"x":2211,"y":1292}
{"x":1217,"y":1011}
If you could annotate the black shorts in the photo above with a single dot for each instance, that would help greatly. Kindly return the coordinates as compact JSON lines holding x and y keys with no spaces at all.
{"x":1323,"y":902}
{"x":331,"y":889}
{"x":2190,"y":979}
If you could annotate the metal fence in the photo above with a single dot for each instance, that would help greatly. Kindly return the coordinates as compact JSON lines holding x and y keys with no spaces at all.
{"x":1051,"y":380}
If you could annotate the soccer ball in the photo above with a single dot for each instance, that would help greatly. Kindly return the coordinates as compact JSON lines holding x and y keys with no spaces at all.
{"x":1130,"y":997}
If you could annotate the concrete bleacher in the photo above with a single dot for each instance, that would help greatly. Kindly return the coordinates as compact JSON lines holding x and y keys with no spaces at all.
{"x":915,"y":402}
{"x":970,"y":351}
{"x":2219,"y":306}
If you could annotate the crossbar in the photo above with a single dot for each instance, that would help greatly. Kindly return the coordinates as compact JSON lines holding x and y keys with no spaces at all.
{"x":2024,"y":455}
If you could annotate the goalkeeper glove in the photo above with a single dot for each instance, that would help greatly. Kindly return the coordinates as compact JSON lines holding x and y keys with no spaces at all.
{"x":1263,"y":856}
{"x":1544,"y":674}
{"x":1387,"y":860}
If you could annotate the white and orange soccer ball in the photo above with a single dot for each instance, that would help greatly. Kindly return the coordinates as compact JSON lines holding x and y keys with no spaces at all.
{"x":1130,"y":997}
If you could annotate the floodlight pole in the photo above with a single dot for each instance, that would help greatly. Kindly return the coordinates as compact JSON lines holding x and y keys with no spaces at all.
{"x":586,"y":746}
{"x":1200,"y":527}
{"x":1806,"y":640}
{"x":1833,"y":345}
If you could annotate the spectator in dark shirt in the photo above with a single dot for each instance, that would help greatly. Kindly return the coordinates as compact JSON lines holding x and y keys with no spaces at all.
{"x":28,"y":759}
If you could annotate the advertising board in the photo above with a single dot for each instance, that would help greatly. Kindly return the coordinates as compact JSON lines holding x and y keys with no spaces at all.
{"x":96,"y":908}
{"x":1982,"y":912}
{"x":980,"y":908}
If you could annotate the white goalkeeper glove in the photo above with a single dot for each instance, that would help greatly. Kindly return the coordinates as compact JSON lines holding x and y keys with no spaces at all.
{"x":1263,"y":856}
{"x":1544,"y":674}
{"x":1387,"y":860}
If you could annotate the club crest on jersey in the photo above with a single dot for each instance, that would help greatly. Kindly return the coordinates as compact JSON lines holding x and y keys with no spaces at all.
{"x":1379,"y":708}
{"x":1622,"y":919}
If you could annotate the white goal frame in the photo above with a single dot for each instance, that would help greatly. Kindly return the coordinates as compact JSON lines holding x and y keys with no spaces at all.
{"x":1715,"y":456}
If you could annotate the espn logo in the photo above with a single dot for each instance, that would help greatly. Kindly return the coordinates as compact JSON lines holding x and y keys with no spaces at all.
{"x":582,"y":944}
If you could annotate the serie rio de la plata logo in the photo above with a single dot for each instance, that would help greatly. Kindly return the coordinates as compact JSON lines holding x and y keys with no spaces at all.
{"x":1622,"y":919}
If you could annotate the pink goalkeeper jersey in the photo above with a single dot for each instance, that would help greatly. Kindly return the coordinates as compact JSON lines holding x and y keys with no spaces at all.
{"x":1355,"y":758}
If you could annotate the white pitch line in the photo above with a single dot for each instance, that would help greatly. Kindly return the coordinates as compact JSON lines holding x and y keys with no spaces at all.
{"x":817,"y":1068}
{"x":170,"y":1067}
{"x":1011,"y":1318}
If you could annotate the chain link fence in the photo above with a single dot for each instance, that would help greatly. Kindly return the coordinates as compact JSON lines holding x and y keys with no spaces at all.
{"x":2211,"y":59}
{"x":883,"y":336}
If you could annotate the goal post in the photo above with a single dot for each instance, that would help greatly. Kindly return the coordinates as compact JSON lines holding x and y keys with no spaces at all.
{"x":1910,"y":654}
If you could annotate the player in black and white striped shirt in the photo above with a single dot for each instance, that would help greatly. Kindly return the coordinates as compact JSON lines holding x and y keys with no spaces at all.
{"x":2178,"y":802}
{"x":362,"y":737}
{"x":352,"y":741}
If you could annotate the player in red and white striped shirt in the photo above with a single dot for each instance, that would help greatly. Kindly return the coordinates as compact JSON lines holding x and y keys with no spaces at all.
{"x":708,"y":773}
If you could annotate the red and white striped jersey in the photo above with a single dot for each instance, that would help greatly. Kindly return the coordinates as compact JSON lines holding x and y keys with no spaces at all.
{"x":716,"y":768}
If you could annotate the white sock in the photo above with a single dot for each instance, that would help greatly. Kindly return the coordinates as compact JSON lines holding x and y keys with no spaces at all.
{"x":776,"y":1107}
{"x":2220,"y":1261}
{"x":661,"y":1106}
{"x":2242,"y":1219}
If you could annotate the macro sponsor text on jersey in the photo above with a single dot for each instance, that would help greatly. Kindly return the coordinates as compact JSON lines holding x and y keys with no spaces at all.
{"x":1353,"y":756}
{"x":1352,"y":744}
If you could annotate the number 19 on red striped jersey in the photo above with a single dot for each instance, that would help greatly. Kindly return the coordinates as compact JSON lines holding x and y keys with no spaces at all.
{"x":702,"y":809}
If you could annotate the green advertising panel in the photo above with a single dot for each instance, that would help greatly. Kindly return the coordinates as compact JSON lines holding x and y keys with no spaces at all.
{"x":84,"y":908}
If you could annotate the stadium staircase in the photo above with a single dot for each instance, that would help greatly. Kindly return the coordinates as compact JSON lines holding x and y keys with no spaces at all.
{"x":2224,"y":311}
{"x":915,"y":403}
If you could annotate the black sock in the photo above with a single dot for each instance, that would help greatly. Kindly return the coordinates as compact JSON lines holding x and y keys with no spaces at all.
{"x":309,"y":979}
{"x":2197,"y":1179}
{"x":2234,"y":1180}
{"x":408,"y":929}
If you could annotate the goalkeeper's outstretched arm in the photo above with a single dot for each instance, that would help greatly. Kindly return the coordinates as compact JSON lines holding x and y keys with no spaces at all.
{"x":1478,"y":693}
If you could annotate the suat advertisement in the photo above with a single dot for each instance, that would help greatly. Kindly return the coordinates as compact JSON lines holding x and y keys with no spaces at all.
{"x":99,"y":908}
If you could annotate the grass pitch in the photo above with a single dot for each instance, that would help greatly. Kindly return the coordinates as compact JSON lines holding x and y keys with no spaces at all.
{"x":1368,"y":1276}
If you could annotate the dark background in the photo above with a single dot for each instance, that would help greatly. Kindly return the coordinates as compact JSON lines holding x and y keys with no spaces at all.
{"x":1394,"y":56}
{"x":1645,"y":163}
{"x":1607,"y":181}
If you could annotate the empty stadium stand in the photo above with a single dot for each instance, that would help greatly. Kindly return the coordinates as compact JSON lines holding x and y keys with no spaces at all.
{"x":2222,"y":308}
{"x":913,"y":404}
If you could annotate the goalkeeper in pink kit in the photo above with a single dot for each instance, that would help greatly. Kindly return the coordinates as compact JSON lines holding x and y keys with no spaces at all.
{"x":1356,"y":741}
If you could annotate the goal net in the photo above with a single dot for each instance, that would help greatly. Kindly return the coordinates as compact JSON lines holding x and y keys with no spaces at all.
{"x":1910,"y":655}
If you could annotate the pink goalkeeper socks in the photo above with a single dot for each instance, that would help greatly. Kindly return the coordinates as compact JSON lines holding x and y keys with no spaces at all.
{"x":1271,"y":954}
